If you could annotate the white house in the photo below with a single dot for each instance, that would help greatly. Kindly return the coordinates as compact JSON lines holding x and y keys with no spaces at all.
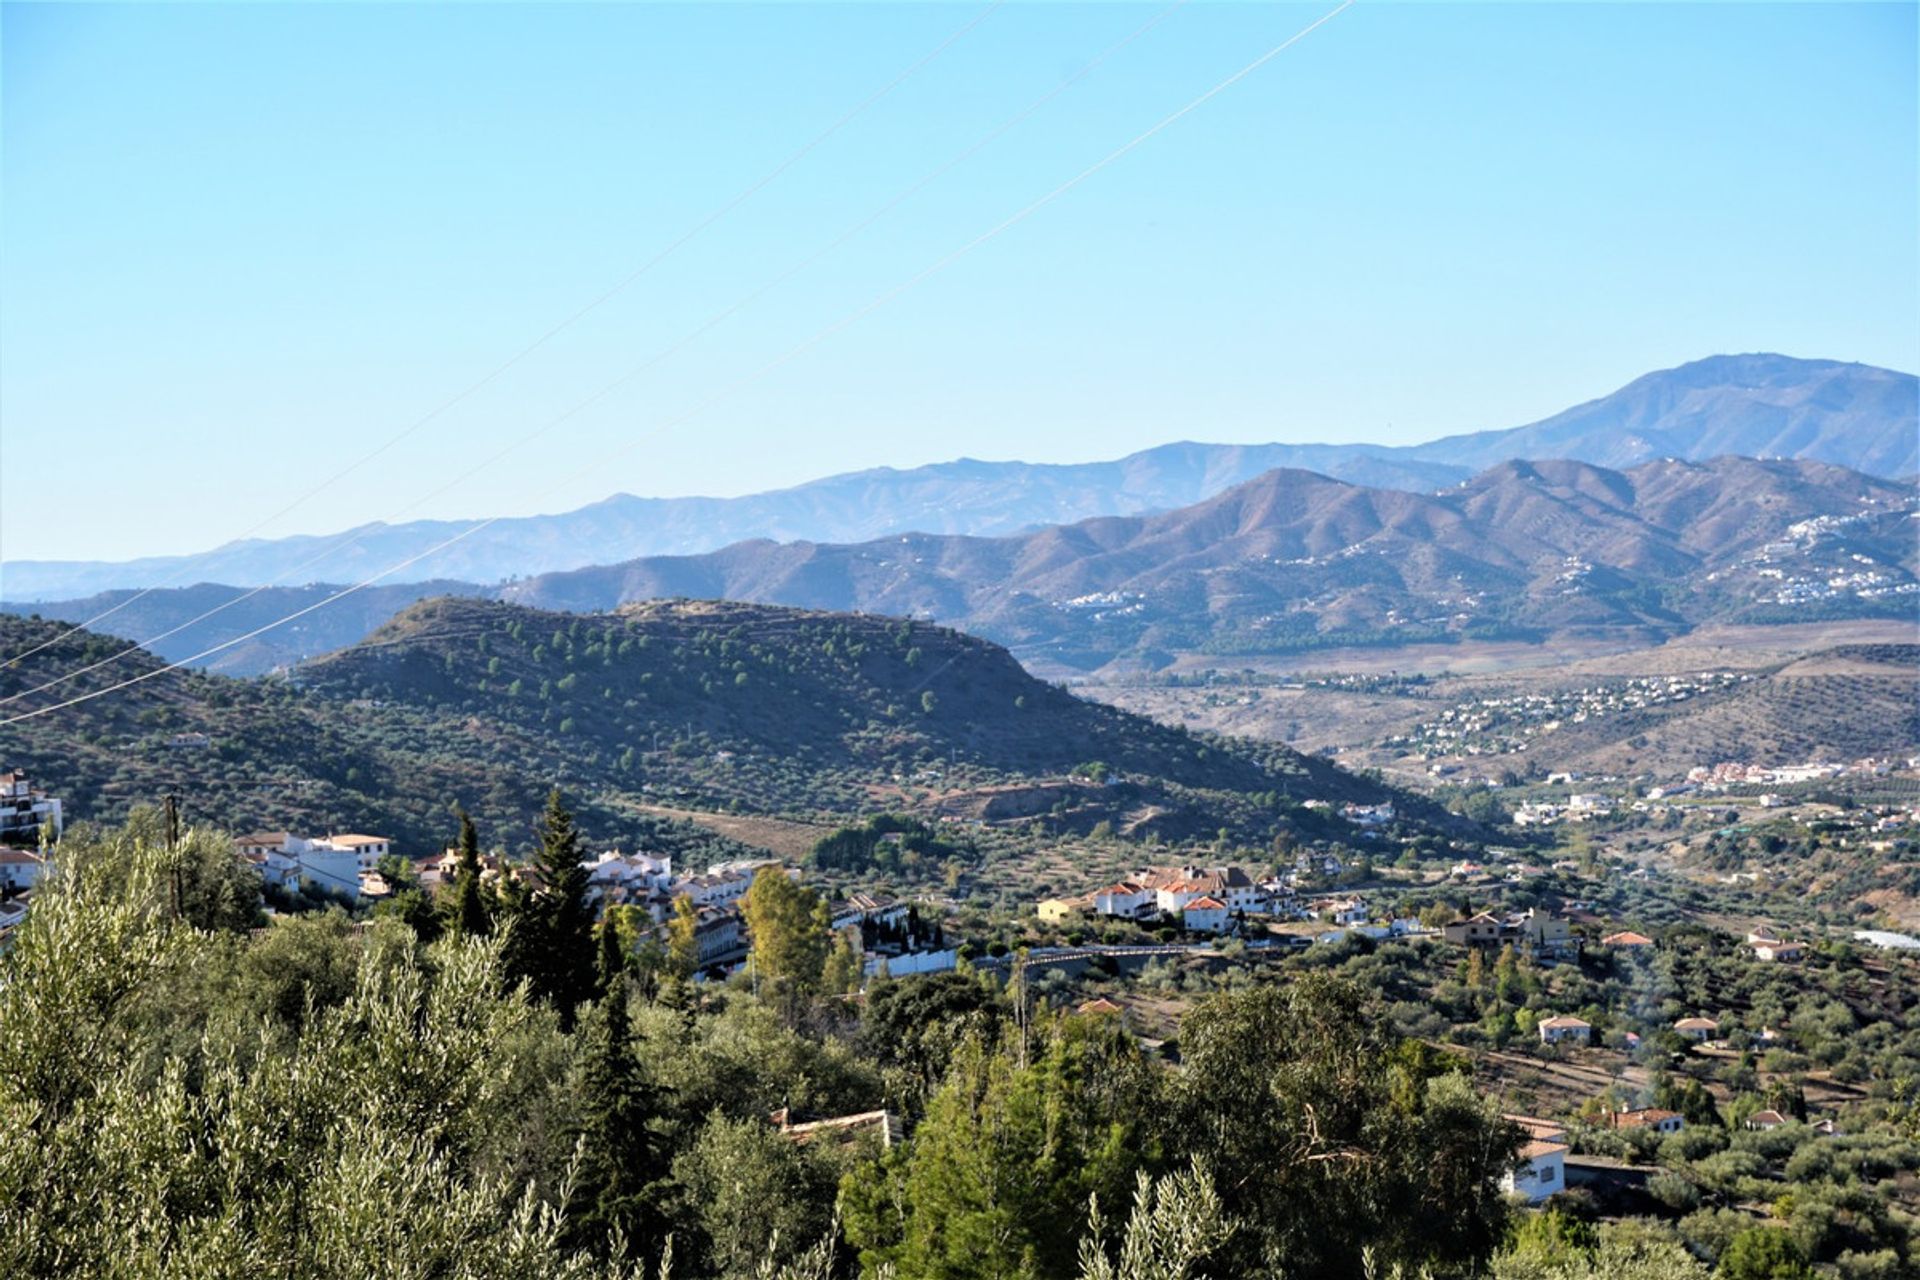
{"x":26,"y":812}
{"x":1343,"y":911}
{"x":332,"y":863}
{"x":1541,"y":1168}
{"x":1698,"y":1030}
{"x":367,"y":850}
{"x":1563,"y":1028}
{"x":1205,"y":915}
{"x":1124,"y":899}
{"x":723,"y":889}
{"x":718,"y":935}
{"x":20,"y":869}
{"x":337,"y":871}
{"x":616,"y":878}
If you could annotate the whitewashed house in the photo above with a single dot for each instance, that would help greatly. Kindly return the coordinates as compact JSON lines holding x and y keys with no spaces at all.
{"x":26,"y":812}
{"x":1541,"y":1168}
{"x":1125,"y":899}
{"x":20,"y":869}
{"x":1565,"y":1029}
{"x":1206,"y":915}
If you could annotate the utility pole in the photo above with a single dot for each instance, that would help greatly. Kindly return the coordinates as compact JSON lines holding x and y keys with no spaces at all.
{"x":172,"y":807}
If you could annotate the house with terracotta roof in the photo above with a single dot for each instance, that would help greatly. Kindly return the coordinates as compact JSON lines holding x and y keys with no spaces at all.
{"x":1698,"y":1030}
{"x":1654,"y":1118}
{"x":1627,"y":939}
{"x":1778,"y":951}
{"x":1126,"y":898}
{"x":880,"y":909}
{"x":1342,"y":910}
{"x":1540,"y":1169}
{"x":1482,"y":930}
{"x":1764,"y":1120}
{"x":1564,"y":1028}
{"x":1206,"y":915}
{"x":1098,"y":1006}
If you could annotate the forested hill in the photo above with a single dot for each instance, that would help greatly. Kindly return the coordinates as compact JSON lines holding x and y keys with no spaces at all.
{"x":719,"y":706}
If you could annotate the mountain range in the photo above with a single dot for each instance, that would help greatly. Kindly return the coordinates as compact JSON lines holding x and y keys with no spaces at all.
{"x":1291,"y":560}
{"x":1764,"y":406}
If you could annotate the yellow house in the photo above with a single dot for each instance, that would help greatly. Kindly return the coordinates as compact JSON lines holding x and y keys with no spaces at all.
{"x":1057,"y":909}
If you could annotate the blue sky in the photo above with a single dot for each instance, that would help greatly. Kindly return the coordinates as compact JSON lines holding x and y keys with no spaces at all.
{"x":246,"y":244}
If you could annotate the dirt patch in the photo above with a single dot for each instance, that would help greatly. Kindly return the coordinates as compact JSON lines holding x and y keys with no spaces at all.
{"x":789,"y":840}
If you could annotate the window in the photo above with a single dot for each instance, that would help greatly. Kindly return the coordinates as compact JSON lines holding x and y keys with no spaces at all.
{"x":1546,"y":1174}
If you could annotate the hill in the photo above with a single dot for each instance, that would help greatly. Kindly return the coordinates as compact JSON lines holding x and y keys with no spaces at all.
{"x":721,"y":707}
{"x":1838,"y":704}
{"x":1848,"y":415}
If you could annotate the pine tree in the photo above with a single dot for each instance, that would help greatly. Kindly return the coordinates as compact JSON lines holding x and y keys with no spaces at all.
{"x":550,"y":943}
{"x":561,"y":945}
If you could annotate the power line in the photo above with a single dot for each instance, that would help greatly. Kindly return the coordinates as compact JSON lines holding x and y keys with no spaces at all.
{"x":552,"y":332}
{"x":745,"y":381}
{"x":355,"y":537}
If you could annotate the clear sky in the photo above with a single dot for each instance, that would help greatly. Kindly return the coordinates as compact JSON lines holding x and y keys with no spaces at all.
{"x":246,"y":244}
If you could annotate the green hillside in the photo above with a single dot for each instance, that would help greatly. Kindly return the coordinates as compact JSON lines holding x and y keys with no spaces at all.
{"x":721,"y":707}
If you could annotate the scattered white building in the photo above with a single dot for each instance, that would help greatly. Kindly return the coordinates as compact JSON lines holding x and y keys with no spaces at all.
{"x":638,"y":879}
{"x":1205,"y":915}
{"x":1565,"y":1029}
{"x":1541,"y":1170}
{"x":334,"y":864}
{"x":26,"y":812}
{"x":20,"y":869}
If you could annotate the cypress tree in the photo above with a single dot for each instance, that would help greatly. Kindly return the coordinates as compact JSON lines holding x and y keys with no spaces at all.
{"x":613,"y":961}
{"x":467,"y":908}
{"x":621,"y":1156}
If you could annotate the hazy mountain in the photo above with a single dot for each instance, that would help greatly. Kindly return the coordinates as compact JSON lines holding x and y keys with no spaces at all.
{"x":1758,"y":405}
{"x":1289,"y":561}
{"x":965,"y":496}
{"x":166,"y":619}
{"x":1295,"y":560}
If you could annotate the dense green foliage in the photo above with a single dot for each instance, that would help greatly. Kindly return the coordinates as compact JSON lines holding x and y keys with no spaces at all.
{"x":702,"y":705}
{"x":180,"y":1097}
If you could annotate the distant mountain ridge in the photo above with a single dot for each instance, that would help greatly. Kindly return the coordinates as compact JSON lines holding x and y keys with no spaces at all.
{"x":1850,"y":415}
{"x":1294,"y":560}
{"x":1291,"y":560}
{"x":1756,"y":406}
